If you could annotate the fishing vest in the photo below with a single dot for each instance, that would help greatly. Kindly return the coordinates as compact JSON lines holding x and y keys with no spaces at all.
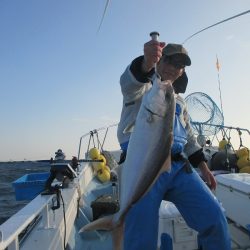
{"x":180,"y":135}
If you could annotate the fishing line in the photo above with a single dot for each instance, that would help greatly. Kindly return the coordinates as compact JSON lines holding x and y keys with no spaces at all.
{"x":103,"y":15}
{"x":225,"y":20}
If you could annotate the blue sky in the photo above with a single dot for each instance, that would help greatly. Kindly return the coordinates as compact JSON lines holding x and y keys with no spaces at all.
{"x":59,"y":77}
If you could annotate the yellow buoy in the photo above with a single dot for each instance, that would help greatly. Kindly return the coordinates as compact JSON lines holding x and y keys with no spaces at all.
{"x":99,"y":165}
{"x":107,"y":168}
{"x":94,"y":153}
{"x":242,"y":152}
{"x":222,"y":144}
{"x":246,"y":169}
{"x":103,"y":175}
{"x":243,"y":161}
{"x":101,"y":157}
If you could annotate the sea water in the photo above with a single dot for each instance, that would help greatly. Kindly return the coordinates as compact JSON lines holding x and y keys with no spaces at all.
{"x":9,"y":172}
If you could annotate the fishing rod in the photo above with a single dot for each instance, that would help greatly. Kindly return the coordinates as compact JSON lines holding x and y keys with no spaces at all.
{"x":217,"y":62}
{"x":225,"y":20}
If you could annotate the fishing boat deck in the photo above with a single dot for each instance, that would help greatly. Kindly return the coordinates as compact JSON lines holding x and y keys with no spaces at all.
{"x":45,"y":229}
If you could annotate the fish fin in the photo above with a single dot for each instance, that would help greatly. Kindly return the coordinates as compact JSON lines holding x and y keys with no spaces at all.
{"x":117,"y":236}
{"x":166,"y":167}
{"x":129,"y":128}
{"x":167,"y":163}
{"x":104,"y":223}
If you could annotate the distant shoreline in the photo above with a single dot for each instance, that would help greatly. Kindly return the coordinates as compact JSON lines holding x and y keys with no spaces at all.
{"x":45,"y":161}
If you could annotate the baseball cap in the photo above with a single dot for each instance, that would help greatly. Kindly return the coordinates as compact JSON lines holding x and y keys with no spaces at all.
{"x":173,"y":49}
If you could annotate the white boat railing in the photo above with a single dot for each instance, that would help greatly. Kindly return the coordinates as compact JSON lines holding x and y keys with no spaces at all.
{"x":220,"y":127}
{"x":95,"y":132}
{"x":12,"y":228}
{"x":40,"y":213}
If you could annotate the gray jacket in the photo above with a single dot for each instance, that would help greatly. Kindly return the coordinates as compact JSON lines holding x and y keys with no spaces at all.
{"x":133,"y":91}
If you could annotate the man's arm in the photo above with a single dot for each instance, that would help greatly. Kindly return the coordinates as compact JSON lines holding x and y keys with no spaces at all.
{"x":207,"y":175}
{"x":141,"y":69}
{"x":196,"y":155}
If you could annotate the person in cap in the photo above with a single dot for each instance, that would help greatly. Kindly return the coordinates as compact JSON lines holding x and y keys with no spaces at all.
{"x":182,"y":185}
{"x":74,"y":162}
{"x":59,"y":156}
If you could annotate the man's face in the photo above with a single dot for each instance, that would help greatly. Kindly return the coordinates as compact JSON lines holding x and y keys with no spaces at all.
{"x":171,"y":67}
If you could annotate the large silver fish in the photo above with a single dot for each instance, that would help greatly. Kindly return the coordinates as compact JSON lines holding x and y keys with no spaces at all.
{"x":148,"y":155}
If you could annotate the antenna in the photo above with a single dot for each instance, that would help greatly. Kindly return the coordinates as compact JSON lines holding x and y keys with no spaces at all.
{"x":218,"y":74}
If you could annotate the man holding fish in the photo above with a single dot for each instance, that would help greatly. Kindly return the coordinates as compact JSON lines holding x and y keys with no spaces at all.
{"x":155,"y":132}
{"x":175,"y":181}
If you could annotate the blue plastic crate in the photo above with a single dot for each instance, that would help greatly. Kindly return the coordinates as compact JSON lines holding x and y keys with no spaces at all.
{"x":29,"y":186}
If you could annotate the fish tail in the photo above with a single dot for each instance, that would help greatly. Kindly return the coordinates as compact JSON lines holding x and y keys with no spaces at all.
{"x":117,"y":237}
{"x":104,"y":223}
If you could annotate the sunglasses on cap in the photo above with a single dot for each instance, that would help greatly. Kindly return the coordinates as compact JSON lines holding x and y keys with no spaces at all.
{"x":174,"y":62}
